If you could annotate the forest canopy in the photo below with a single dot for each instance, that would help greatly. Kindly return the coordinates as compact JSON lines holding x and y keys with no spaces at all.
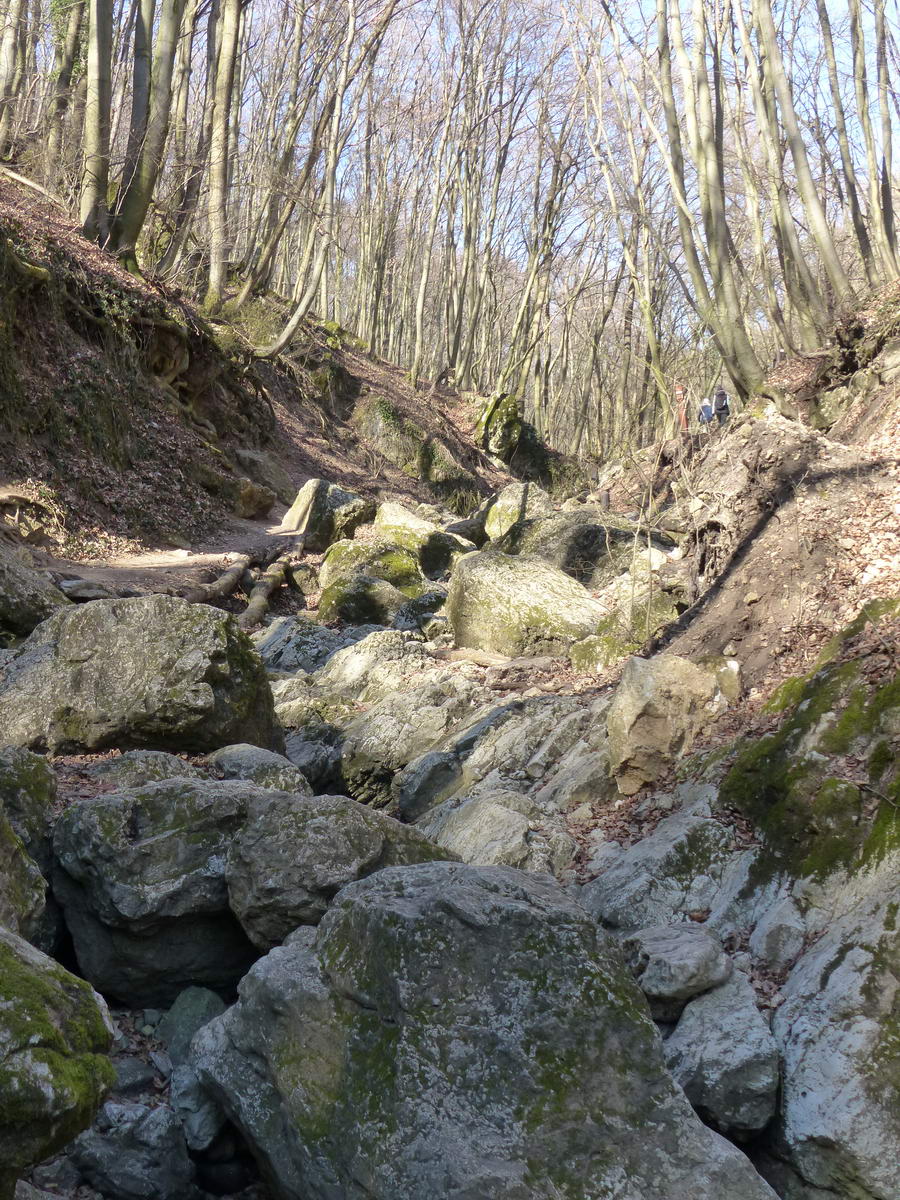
{"x":577,"y":203}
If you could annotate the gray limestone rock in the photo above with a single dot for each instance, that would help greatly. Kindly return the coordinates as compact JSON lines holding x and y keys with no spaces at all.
{"x":299,"y":644}
{"x":202,"y":1119}
{"x":27,"y":797}
{"x":154,"y":671}
{"x":724,"y":1056}
{"x":500,"y":829}
{"x":778,"y":939}
{"x":672,"y":963}
{"x":659,"y":707}
{"x":27,"y":597}
{"x":324,"y":513}
{"x":295,"y":854}
{"x":660,"y":880}
{"x":518,"y":606}
{"x":193,"y":1009}
{"x":134,"y":1152}
{"x":137,"y":767}
{"x":262,"y":767}
{"x":22,"y":886}
{"x":461,"y":1033}
{"x":141,"y":879}
{"x":436,"y":549}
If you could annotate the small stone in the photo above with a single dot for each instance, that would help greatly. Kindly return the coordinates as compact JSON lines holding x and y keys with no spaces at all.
{"x":751,"y":598}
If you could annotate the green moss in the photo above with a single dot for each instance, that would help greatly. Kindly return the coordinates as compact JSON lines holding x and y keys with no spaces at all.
{"x":54,"y":1021}
{"x":812,"y":820}
{"x":381,"y":560}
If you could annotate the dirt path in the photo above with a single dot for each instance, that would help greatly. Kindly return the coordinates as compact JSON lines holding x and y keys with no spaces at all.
{"x":174,"y":570}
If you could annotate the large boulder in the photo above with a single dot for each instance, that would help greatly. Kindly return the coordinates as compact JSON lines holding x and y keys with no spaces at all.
{"x":381,"y":559}
{"x":136,"y":1152}
{"x":518,"y":606}
{"x":724,"y":1056}
{"x":660,"y":706}
{"x":361,"y":598}
{"x":26,"y":596}
{"x":516,"y":502}
{"x":435,"y":549}
{"x":54,"y":1034}
{"x":665,"y":877}
{"x":589,"y":550}
{"x":458,"y":1032}
{"x":323,"y":513}
{"x":141,"y":879}
{"x":299,"y":644}
{"x":294,"y":855}
{"x":672,"y":963}
{"x":154,"y":671}
{"x":262,"y":767}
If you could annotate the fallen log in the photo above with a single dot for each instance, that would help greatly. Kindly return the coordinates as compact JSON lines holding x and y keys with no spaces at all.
{"x":272,"y":578}
{"x":222,"y":586}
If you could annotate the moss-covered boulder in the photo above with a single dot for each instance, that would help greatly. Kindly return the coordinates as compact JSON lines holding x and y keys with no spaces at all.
{"x":22,"y":887}
{"x":54,"y":1034}
{"x":418,"y":452}
{"x":27,"y":797}
{"x":26,"y":596}
{"x":155,"y":671}
{"x":324,"y":512}
{"x":361,"y":599}
{"x":141,"y":878}
{"x":590,"y":551}
{"x":300,"y":644}
{"x":815,"y":820}
{"x":516,"y":502}
{"x":660,"y":706}
{"x":381,"y":559}
{"x":294,"y":855}
{"x":436,"y":549}
{"x":499,"y":426}
{"x":458,"y":1032}
{"x":518,"y":605}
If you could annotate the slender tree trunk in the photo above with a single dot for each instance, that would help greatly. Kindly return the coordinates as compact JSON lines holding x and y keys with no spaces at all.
{"x":94,"y":209}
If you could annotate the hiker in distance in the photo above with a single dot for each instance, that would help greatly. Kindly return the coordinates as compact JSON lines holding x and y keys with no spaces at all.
{"x":720,"y":405}
{"x":705,"y":415}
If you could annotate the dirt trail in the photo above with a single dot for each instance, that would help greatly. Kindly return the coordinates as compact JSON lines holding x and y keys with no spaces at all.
{"x":171,"y":569}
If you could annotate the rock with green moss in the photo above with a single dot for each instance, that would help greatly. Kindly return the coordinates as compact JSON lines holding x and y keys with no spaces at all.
{"x":136,"y":767}
{"x":300,"y":644}
{"x":401,"y":726}
{"x":660,"y":706}
{"x":458,"y":1032}
{"x":516,"y":502}
{"x":499,"y":426}
{"x":28,"y":797}
{"x":518,"y":606}
{"x":294,"y":855}
{"x":502,"y":829}
{"x":591,"y":551}
{"x":436,"y":549}
{"x":361,"y":599}
{"x":54,"y":1035}
{"x":399,"y":437}
{"x":262,"y":767}
{"x":381,"y":559}
{"x":601,"y":650}
{"x":141,"y":878}
{"x":152,"y":672}
{"x":375,"y":666}
{"x":324,"y":513}
{"x":27,"y":597}
{"x":812,"y":819}
{"x":22,"y":886}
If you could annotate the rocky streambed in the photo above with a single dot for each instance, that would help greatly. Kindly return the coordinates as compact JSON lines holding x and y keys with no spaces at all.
{"x":332,"y":911}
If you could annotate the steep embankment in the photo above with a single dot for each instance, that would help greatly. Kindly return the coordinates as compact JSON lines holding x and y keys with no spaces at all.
{"x":130,"y":422}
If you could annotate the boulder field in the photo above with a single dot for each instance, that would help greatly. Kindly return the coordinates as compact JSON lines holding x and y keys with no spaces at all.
{"x":377,"y":917}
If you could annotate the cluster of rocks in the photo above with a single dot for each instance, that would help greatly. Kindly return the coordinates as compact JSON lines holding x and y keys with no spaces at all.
{"x":343,"y":941}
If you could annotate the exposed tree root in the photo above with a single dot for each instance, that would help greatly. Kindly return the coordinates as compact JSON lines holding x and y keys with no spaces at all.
{"x":271,"y":579}
{"x":224,"y":585}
